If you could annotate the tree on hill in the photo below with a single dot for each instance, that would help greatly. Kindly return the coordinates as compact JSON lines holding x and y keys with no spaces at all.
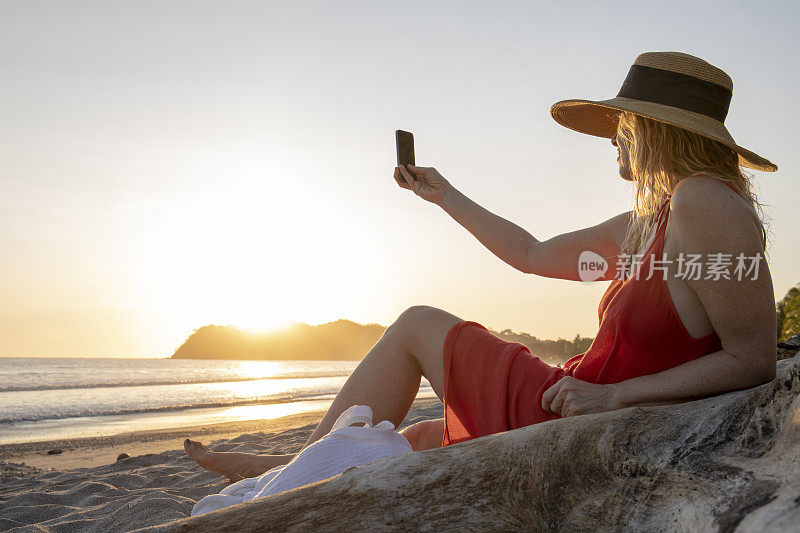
{"x":342,"y":340}
{"x":788,"y":314}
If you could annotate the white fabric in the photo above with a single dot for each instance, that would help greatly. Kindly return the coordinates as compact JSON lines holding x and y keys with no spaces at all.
{"x":344,"y":447}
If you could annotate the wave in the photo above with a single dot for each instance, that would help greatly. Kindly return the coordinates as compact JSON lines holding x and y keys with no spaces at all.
{"x":151,"y":383}
{"x":317,"y":395}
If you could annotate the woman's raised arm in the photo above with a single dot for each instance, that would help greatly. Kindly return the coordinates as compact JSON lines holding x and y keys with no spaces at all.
{"x":556,"y":257}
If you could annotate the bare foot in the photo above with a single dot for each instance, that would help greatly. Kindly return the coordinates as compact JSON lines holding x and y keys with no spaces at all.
{"x":236,"y":466}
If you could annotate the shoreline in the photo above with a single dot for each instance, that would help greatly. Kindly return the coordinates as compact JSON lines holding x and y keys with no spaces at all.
{"x":88,"y":452}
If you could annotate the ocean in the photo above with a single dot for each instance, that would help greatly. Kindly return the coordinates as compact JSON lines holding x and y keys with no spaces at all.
{"x":44,"y":399}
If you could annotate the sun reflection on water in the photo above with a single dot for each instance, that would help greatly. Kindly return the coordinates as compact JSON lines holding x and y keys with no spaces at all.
{"x":273,"y":410}
{"x":276,"y":388}
{"x":258,"y":369}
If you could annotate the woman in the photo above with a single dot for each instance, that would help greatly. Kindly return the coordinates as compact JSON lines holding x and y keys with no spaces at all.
{"x":664,"y":338}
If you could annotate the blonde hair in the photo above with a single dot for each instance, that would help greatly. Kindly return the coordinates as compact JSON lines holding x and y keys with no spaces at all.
{"x":660,"y":156}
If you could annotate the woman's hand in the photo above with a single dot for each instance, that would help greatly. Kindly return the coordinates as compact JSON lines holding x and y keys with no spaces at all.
{"x":426,"y":182}
{"x":570,"y":397}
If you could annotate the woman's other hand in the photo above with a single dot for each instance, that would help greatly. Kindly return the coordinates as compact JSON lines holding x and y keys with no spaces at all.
{"x":426,"y":182}
{"x":570,"y":397}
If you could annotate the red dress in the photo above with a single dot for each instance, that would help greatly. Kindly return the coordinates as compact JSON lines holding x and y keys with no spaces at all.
{"x":491,"y":385}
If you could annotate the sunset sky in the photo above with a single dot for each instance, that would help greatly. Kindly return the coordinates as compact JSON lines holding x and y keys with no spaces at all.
{"x":167,"y":165}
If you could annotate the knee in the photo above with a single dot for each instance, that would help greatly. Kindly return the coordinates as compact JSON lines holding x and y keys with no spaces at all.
{"x":412,"y":318}
{"x":425,"y":435}
{"x":421,"y":329}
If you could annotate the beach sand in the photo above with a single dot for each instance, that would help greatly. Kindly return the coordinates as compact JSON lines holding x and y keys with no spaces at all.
{"x":84,"y":488}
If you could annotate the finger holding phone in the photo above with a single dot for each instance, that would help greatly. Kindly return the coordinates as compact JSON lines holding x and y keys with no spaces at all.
{"x":426,"y":182}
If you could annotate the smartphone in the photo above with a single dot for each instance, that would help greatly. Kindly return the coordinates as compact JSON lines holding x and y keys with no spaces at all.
{"x":405,"y":148}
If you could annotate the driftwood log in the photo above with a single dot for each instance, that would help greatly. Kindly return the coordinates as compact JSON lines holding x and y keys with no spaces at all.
{"x":730,"y":462}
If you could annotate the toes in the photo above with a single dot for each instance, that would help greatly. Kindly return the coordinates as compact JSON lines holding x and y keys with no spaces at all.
{"x":194,"y":448}
{"x":198,"y":445}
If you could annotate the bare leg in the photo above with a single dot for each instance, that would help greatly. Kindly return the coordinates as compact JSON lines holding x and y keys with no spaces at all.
{"x":387,"y":380}
{"x":425,"y":435}
{"x":388,"y":377}
{"x":235,"y":465}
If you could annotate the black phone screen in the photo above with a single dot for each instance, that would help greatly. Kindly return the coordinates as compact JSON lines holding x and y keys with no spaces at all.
{"x":405,"y":147}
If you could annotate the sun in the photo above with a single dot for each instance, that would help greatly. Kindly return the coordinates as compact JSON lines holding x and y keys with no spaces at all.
{"x":261,"y":325}
{"x":256,"y":256}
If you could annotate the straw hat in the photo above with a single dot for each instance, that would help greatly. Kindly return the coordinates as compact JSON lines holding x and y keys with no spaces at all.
{"x":670,"y":87}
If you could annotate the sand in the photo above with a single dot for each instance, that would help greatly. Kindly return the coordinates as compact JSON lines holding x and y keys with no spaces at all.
{"x":85,"y":488}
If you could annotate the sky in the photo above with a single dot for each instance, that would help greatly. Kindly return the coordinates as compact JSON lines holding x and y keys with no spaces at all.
{"x":167,"y":165}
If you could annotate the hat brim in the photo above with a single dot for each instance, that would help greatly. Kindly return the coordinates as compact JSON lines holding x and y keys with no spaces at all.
{"x":600,"y":118}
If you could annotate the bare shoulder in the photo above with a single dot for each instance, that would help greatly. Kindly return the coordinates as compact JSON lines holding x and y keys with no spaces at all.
{"x":704,"y":209}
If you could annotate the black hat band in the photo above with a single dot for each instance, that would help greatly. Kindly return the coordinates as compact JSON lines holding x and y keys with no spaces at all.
{"x":676,"y":90}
